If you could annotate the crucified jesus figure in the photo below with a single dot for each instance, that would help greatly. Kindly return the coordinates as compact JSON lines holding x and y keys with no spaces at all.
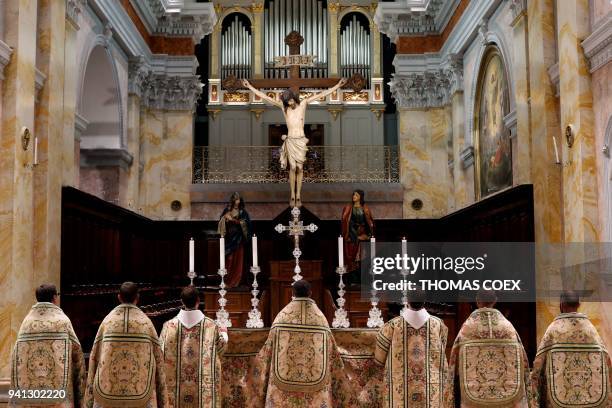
{"x":294,"y":146}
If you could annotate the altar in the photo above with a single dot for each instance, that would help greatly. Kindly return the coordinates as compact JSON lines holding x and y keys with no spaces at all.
{"x":356,"y":347}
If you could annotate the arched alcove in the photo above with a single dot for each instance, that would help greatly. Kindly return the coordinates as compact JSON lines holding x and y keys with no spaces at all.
{"x":100,"y":102}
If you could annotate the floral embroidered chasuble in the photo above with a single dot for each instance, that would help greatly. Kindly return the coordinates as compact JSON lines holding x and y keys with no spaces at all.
{"x":299,"y":365}
{"x":488,"y":366}
{"x":192,"y":363}
{"x":126,"y":362}
{"x":415,"y":362}
{"x":48,"y":355}
{"x":572,"y":365}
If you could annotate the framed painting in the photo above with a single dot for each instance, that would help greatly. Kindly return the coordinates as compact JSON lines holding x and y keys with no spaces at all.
{"x":492,"y":138}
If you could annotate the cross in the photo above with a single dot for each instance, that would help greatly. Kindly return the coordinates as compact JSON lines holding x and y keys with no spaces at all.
{"x":296,"y":228}
{"x":294,"y":40}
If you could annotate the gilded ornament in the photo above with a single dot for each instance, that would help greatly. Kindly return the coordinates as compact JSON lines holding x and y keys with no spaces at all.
{"x":240,"y":97}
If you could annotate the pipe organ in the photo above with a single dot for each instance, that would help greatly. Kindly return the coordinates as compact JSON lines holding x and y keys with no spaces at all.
{"x":309,"y":18}
{"x":236,"y":47}
{"x":355,"y":48}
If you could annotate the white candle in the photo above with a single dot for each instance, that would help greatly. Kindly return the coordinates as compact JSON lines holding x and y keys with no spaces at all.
{"x":191,"y":255}
{"x":340,"y":251}
{"x":556,"y":149}
{"x":222,"y":253}
{"x":36,"y":150}
{"x":372,"y":247}
{"x":254,"y":250}
{"x":404,"y":247}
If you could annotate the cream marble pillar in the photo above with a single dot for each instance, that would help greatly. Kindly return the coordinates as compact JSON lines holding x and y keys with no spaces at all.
{"x":49,"y":130}
{"x":16,"y":213}
{"x":177,"y":164}
{"x":334,"y":30}
{"x":543,"y":118}
{"x":152,"y":128}
{"x":257,"y":26}
{"x":463,"y":178}
{"x":522,"y":158}
{"x":130,"y":195}
{"x":576,"y":105}
{"x":70,"y":164}
{"x":580,"y":190}
{"x":423,"y":140}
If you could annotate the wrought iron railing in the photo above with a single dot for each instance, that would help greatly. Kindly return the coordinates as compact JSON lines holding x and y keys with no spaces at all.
{"x":324,"y":164}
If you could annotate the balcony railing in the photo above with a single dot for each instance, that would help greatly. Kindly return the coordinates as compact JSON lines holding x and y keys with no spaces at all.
{"x":324,"y":164}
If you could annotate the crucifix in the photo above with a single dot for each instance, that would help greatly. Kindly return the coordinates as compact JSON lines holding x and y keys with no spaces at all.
{"x":296,"y":229}
{"x":293,"y":150}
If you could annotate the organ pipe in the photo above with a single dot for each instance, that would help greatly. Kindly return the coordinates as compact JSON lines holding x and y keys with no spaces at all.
{"x":236,"y":49}
{"x":355,"y":50}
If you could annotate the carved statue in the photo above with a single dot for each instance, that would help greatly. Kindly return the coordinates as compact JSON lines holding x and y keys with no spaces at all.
{"x":357,"y":227}
{"x":294,"y":146}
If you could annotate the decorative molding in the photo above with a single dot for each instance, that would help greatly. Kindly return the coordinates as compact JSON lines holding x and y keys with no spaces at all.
{"x":430,"y":89}
{"x":467,"y":157}
{"x":414,"y":17}
{"x":171,"y":92}
{"x":80,"y":125}
{"x":377,"y":112}
{"x":39,"y":81}
{"x":138,"y":71}
{"x":5,"y":57}
{"x":510,"y":123}
{"x":454,"y":69}
{"x":74,"y":8}
{"x":334,"y":112}
{"x":598,"y":46}
{"x":553,"y":74}
{"x":257,"y":113}
{"x":106,"y":158}
{"x":518,"y":9}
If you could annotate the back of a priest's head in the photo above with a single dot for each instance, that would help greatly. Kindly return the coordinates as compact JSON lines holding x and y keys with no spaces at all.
{"x":128,"y":293}
{"x":301,"y":289}
{"x":569,"y":302}
{"x":190,"y":297}
{"x":46,"y":292}
{"x":486,"y":298}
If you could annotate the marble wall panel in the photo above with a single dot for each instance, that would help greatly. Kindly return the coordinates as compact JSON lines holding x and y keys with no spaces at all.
{"x":177,"y":164}
{"x":152,"y":125}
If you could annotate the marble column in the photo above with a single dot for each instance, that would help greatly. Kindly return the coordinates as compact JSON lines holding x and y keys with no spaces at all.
{"x":334,"y":31}
{"x":576,"y":106}
{"x":423,"y":140}
{"x":69,"y":159}
{"x":16,"y":192}
{"x":215,"y":39}
{"x":49,"y":128}
{"x":130,"y":195}
{"x":522,"y":138}
{"x":257,"y":61}
{"x":463,"y":175}
{"x":152,"y":128}
{"x":376,"y":51}
{"x":544,"y":124}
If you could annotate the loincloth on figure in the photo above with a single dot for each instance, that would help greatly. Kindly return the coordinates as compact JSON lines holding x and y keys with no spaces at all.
{"x":293,"y":150}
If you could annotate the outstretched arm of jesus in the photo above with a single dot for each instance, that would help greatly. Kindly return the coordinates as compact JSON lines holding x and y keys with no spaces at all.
{"x":262,"y":95}
{"x":324,"y":94}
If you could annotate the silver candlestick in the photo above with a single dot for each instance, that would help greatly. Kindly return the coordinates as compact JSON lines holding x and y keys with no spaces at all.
{"x":223,"y":319}
{"x":254,"y":321}
{"x":191,"y":275}
{"x":375,"y":315}
{"x":340,"y":317}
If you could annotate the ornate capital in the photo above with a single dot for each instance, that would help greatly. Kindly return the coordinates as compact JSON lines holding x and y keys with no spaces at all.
{"x":171,"y":92}
{"x":257,"y":7}
{"x":138,"y":70}
{"x":333,"y":7}
{"x":454,"y":71}
{"x":74,"y":8}
{"x":428,"y":89}
{"x":483,"y":30}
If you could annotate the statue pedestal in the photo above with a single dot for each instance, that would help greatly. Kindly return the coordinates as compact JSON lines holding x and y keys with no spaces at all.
{"x":281,"y":278}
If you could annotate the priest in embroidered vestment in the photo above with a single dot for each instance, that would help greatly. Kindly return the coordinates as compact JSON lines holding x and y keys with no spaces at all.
{"x":126,"y":361}
{"x":412,"y":349}
{"x":488,"y":365}
{"x":572,"y":366}
{"x":47,"y":354}
{"x":299,"y":365}
{"x":192,"y":344}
